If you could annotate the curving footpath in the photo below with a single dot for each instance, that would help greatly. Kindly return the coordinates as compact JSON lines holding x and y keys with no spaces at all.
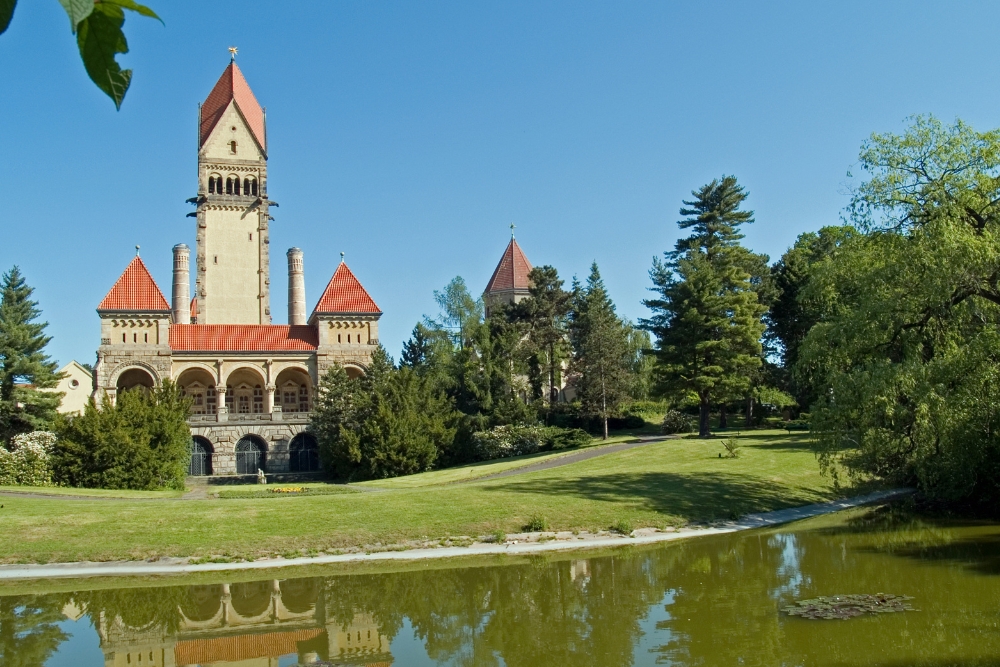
{"x":181,"y":566}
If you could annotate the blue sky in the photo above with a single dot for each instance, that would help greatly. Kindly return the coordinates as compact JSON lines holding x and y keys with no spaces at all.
{"x":410,"y":135}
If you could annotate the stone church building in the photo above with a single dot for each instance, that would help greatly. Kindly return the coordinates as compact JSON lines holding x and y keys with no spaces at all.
{"x":252,"y":382}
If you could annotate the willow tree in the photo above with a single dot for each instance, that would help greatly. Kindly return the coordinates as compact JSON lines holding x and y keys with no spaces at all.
{"x":908,"y":354}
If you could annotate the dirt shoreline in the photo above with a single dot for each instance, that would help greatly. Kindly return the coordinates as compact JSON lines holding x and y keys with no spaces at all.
{"x":525,"y":543}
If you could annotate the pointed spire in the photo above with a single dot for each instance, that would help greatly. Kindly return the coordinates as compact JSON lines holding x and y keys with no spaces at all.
{"x":511,"y":274}
{"x":344,"y":294}
{"x":135,"y":291}
{"x":232,"y":87}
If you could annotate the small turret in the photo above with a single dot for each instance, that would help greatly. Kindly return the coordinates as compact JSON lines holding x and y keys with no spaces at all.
{"x":296,"y":288}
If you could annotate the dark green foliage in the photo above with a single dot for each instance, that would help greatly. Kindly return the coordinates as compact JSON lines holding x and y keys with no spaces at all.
{"x":602,"y":359}
{"x":99,"y":37}
{"x":676,"y":422}
{"x":29,"y":629}
{"x":796,"y":308}
{"x":389,"y":422}
{"x":907,"y":355}
{"x":545,"y":313}
{"x":707,"y":317}
{"x":141,"y":442}
{"x":566,"y":438}
{"x":24,"y":366}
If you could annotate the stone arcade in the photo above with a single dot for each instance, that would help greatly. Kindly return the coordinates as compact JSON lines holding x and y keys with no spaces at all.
{"x":252,"y":382}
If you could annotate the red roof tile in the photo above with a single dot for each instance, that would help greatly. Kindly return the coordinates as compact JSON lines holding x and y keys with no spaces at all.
{"x":241,"y":647}
{"x":135,"y":291}
{"x":512,"y":271}
{"x":232,"y":86}
{"x":243,"y":338}
{"x":344,"y":294}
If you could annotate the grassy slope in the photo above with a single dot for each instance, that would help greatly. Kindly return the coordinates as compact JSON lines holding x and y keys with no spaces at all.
{"x":655,"y":485}
{"x":91,"y":493}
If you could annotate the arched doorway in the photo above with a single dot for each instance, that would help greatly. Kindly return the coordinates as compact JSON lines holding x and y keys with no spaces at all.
{"x":303,"y":454}
{"x":354,"y":372}
{"x":201,"y":457}
{"x":251,"y":455}
{"x":135,"y":378}
{"x":293,"y":390}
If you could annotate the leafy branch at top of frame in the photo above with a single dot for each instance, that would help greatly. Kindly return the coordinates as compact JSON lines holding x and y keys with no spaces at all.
{"x":97,"y":25}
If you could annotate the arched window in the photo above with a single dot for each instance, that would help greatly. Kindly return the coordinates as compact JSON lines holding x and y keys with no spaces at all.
{"x":229,"y":185}
{"x":253,"y":186}
{"x":246,"y":186}
{"x":251,"y":455}
{"x":201,"y":457}
{"x":232,"y":147}
{"x":236,"y":185}
{"x":303,"y":454}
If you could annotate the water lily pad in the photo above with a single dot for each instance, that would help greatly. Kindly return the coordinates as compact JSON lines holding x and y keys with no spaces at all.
{"x":843,"y":607}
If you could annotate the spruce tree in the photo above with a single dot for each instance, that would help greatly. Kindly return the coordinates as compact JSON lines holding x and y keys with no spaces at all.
{"x":25,"y":368}
{"x":707,"y":318}
{"x":601,"y":354}
{"x":545,"y":311}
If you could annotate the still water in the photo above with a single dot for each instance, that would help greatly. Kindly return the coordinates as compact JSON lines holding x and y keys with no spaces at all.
{"x":707,"y":601}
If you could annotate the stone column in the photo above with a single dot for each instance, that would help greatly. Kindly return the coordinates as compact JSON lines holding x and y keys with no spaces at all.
{"x":181,"y":301}
{"x":296,"y":288}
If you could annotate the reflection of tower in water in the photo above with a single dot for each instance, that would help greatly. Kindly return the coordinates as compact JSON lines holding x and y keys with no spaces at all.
{"x":246,"y":624}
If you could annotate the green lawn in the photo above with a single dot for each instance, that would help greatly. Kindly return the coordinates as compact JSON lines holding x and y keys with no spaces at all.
{"x":92,"y":493}
{"x":667,"y":483}
{"x":482,"y":469}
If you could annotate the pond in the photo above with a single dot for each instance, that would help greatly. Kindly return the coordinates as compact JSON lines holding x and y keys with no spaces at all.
{"x":707,"y":601}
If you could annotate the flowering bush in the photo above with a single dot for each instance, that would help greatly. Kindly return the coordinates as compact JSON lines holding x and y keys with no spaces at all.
{"x":503,"y":441}
{"x":287,"y":489}
{"x":27,"y":462}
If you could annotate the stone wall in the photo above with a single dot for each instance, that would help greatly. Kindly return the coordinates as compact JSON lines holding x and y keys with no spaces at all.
{"x":225,"y":434}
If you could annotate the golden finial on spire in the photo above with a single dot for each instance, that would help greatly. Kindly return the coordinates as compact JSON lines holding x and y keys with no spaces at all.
{"x":232,"y":53}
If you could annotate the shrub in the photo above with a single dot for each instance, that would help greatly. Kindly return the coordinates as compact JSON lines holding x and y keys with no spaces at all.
{"x":536,"y":524}
{"x":509,"y":440}
{"x":28,"y":461}
{"x":497,"y":536}
{"x":140,"y":442}
{"x":732,"y":445}
{"x":622,"y":526}
{"x":676,"y":422}
{"x":796,"y":425}
{"x":563,"y":438}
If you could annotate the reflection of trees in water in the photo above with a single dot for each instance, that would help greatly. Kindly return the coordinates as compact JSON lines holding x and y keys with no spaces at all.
{"x":28,"y":630}
{"x":138,"y":608}
{"x":252,"y":598}
{"x":300,"y":595}
{"x":202,"y":603}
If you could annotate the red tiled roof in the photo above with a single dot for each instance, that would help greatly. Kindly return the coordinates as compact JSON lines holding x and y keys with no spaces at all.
{"x":243,"y":338}
{"x":344,"y":294}
{"x":512,"y":271}
{"x":232,"y":86}
{"x":135,"y":290}
{"x":240,"y":647}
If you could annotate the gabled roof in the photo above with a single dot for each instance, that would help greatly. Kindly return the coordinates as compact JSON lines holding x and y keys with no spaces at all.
{"x":243,"y":338}
{"x":344,"y":294}
{"x":231,"y":86}
{"x":135,"y":291}
{"x":241,"y":647}
{"x":512,"y":271}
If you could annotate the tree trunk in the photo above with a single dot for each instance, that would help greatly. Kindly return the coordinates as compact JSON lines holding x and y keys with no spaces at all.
{"x":749,"y":411}
{"x":552,"y":375}
{"x":723,"y":417}
{"x":604,"y":406}
{"x":704,"y":427}
{"x":605,"y":428}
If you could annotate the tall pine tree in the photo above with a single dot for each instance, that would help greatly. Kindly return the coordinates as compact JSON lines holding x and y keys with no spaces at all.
{"x":601,"y":354}
{"x":24,"y":367}
{"x":707,"y":318}
{"x":545,"y":311}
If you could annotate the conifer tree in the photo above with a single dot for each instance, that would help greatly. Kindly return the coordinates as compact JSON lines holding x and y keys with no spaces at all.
{"x":601,"y":355}
{"x":545,"y":311}
{"x":24,"y":367}
{"x":707,"y":318}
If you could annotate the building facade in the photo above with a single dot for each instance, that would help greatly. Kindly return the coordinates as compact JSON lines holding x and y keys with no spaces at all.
{"x":252,"y":383}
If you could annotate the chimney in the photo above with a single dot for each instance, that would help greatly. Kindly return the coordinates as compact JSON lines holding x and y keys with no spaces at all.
{"x":181,"y":297}
{"x":296,"y":288}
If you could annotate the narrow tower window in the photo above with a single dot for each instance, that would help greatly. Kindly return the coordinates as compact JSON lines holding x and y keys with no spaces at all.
{"x":246,"y":186}
{"x":236,"y":185}
{"x":232,"y":147}
{"x":229,"y":186}
{"x":253,"y":185}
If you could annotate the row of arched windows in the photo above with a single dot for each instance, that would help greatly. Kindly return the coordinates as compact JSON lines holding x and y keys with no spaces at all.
{"x":232,"y":186}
